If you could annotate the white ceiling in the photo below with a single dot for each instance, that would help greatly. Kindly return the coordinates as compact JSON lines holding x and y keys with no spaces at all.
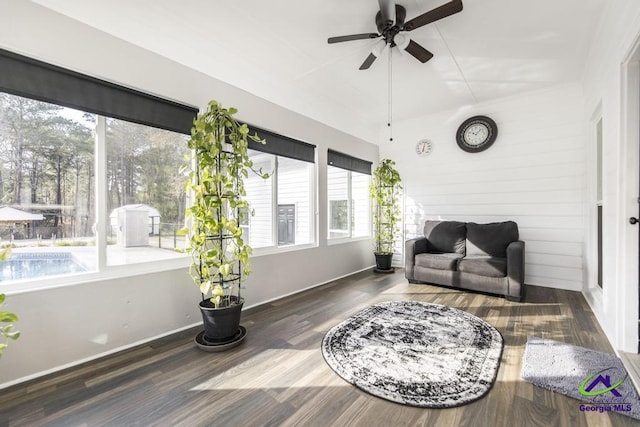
{"x":278,"y":50}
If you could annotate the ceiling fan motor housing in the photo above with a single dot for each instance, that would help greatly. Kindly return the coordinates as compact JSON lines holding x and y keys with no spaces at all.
{"x":390,"y":31}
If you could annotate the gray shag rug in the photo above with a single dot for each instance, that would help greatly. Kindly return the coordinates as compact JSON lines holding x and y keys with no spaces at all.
{"x":587,"y":375}
{"x":416,"y":354}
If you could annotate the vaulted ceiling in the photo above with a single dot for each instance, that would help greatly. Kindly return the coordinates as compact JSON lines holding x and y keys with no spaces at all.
{"x":278,"y":50}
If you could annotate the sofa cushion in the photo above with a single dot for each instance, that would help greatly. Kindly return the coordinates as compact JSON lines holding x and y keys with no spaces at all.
{"x":445,"y":236}
{"x":483,"y":266}
{"x":439,"y":261}
{"x":490,"y":239}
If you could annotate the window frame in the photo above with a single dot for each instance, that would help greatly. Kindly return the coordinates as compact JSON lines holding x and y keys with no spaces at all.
{"x":274,"y":248}
{"x":29,"y":78}
{"x":350,"y":165}
{"x":103,"y":271}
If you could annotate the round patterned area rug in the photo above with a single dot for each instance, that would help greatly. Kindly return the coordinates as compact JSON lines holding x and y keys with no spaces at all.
{"x":415,"y":353}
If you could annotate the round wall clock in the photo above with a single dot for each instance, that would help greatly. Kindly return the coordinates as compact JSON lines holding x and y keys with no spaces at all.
{"x":476,"y":134}
{"x":424,"y":147}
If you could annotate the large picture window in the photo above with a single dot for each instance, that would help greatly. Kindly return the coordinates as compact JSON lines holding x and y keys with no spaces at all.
{"x":282,"y":205}
{"x":145,"y":193}
{"x":90,"y":176}
{"x":73,"y":198}
{"x":349,"y":204}
{"x":48,"y":190}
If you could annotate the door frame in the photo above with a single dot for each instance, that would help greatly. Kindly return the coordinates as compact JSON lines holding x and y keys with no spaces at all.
{"x":626,"y":304}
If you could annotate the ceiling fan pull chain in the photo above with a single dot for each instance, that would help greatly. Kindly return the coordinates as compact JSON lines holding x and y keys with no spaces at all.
{"x":390,"y":112}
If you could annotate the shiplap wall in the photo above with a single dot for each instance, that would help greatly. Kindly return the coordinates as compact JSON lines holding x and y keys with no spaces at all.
{"x":534,"y":174}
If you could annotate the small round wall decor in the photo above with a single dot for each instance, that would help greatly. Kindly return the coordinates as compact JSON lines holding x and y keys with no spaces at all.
{"x":476,"y":134}
{"x":424,"y":147}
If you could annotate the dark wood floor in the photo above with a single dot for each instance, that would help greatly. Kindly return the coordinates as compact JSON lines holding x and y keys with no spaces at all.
{"x":278,"y":376}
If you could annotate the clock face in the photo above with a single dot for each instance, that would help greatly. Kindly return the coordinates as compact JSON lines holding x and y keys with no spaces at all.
{"x":476,"y":134}
{"x":424,"y":147}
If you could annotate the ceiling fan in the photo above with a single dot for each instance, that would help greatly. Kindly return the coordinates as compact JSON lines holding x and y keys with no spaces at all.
{"x":390,"y":23}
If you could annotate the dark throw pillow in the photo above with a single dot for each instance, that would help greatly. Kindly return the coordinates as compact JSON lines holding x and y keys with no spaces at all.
{"x":490,"y":239}
{"x":445,"y":236}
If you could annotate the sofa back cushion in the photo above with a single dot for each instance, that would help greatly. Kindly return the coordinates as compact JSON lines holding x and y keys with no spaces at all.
{"x":445,"y":236}
{"x":490,"y":239}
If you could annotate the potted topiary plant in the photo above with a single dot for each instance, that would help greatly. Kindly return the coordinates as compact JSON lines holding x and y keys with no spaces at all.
{"x":385,"y":192}
{"x":220,"y":255}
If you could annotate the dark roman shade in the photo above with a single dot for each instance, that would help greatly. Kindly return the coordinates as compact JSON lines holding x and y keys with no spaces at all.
{"x":344,"y":161}
{"x":29,"y":78}
{"x":280,"y":145}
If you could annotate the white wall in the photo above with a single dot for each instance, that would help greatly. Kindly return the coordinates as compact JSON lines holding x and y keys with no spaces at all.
{"x":606,"y":90}
{"x":68,"y":324}
{"x":533,"y":175}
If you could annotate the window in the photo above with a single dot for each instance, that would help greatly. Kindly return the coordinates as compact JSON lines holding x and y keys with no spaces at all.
{"x":47,"y":173}
{"x":283,"y":204}
{"x":145,"y":193}
{"x":102,"y":180}
{"x":361,"y":205}
{"x":349,"y":204}
{"x":46,"y":188}
{"x":115,"y":156}
{"x":260,"y":193}
{"x":295,"y":187}
{"x":338,"y":196}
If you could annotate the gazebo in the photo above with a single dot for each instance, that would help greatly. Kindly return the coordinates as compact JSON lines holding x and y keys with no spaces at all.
{"x":9,"y":215}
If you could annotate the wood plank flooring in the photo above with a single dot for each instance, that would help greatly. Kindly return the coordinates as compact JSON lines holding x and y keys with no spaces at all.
{"x":279,"y":378}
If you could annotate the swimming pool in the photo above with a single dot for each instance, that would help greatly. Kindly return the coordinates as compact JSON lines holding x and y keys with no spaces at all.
{"x":27,"y":265}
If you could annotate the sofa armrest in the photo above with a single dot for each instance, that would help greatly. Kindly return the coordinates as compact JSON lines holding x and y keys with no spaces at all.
{"x":413,"y":247}
{"x":515,"y":270}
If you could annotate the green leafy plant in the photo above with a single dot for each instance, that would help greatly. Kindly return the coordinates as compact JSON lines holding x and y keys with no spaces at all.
{"x":6,"y":316}
{"x":385,"y":191}
{"x":218,"y":166}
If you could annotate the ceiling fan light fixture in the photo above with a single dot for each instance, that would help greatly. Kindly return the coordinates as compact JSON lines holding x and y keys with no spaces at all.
{"x":378,"y":49}
{"x":402,"y":42}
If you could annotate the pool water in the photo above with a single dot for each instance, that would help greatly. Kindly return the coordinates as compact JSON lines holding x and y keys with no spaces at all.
{"x":27,"y":265}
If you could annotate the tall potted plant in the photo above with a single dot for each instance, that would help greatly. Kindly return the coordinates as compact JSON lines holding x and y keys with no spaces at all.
{"x":220,"y":255}
{"x":385,"y":191}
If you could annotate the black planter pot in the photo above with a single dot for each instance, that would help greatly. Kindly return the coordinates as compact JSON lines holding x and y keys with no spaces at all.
{"x":383,"y":263}
{"x":221,"y":324}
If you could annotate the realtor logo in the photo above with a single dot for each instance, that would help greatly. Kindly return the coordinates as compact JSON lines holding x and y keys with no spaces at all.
{"x":598,"y":384}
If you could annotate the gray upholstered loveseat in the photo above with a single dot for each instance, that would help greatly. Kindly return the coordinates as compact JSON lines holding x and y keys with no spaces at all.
{"x":481,"y":257}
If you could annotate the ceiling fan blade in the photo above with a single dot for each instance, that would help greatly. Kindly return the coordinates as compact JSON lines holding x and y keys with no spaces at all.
{"x":352,"y":37}
{"x":388,"y":12}
{"x":418,"y":52}
{"x":367,"y":62}
{"x":433,"y":15}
